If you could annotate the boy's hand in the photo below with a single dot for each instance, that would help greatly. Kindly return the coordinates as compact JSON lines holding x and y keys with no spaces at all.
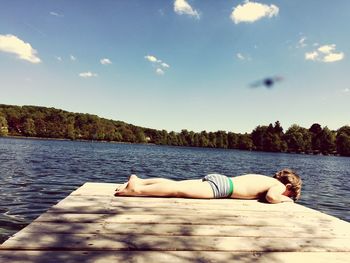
{"x":284,"y":198}
{"x":275,"y":194}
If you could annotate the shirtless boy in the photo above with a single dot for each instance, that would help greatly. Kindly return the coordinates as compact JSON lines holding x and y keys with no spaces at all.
{"x":285,"y":186}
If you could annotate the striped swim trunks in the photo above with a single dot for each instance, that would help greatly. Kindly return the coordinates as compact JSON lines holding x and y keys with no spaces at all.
{"x":222,"y":185}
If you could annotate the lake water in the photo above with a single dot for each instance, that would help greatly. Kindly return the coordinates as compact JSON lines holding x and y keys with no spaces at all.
{"x":36,"y":174}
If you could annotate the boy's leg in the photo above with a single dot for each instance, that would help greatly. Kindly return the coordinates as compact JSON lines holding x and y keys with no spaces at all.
{"x":186,"y":188}
{"x":153,"y":180}
{"x":142,"y":181}
{"x":194,"y":189}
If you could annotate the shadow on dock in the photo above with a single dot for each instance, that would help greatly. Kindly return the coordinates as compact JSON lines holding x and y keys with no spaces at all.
{"x":105,"y":229}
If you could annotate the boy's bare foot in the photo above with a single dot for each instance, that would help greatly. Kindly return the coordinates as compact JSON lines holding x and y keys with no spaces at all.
{"x":129,"y":187}
{"x":123,"y":186}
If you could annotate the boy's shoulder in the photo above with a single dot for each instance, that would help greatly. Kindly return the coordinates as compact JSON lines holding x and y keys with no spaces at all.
{"x":259,"y":178}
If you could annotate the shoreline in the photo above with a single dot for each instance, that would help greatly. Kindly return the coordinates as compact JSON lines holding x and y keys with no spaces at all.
{"x":147,"y":143}
{"x":63,"y":139}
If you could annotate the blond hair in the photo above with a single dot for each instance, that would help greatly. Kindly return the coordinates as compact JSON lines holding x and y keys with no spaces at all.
{"x":288,"y":176}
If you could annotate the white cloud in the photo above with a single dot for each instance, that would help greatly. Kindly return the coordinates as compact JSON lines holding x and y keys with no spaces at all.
{"x":301,"y":43}
{"x":165,"y":65}
{"x":333,"y":57}
{"x":346,"y":90}
{"x":105,"y":61}
{"x":159,"y":71}
{"x":59,"y":58}
{"x":311,"y":55}
{"x":87,"y":74}
{"x":181,"y":7}
{"x":56,"y":14}
{"x":240,"y":56}
{"x":325,"y":53}
{"x":23,"y":50}
{"x":151,"y":58}
{"x":250,"y":12}
{"x":158,"y":64}
{"x":326,"y":49}
{"x":243,"y":57}
{"x":72,"y":58}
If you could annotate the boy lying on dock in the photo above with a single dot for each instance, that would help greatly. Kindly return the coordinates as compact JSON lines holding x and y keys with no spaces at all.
{"x":285,"y":186}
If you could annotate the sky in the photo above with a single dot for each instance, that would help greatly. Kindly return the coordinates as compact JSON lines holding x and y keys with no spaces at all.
{"x":176,"y":65}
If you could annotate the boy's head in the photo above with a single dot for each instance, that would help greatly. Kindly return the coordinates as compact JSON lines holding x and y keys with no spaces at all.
{"x":291,"y":180}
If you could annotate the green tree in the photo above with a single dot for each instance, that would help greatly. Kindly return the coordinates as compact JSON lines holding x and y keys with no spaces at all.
{"x":56,"y":126}
{"x":29,"y":127}
{"x":343,"y":141}
{"x":127,"y":134}
{"x":154,"y":135}
{"x":315,"y":131}
{"x":327,"y":141}
{"x":185,"y":138}
{"x":232,"y":140}
{"x":280,"y":144}
{"x":173,"y":139}
{"x":277,"y":129}
{"x":196,"y":142}
{"x":212,"y":140}
{"x":71,"y":132}
{"x":3,"y":126}
{"x":274,"y":143}
{"x":221,"y":139}
{"x":203,"y":139}
{"x":114,"y":136}
{"x":245,"y":142}
{"x":13,"y":117}
{"x":269,"y":138}
{"x":272,"y":140}
{"x":298,"y":139}
{"x":164,"y":137}
{"x":258,"y":137}
{"x":140,"y":136}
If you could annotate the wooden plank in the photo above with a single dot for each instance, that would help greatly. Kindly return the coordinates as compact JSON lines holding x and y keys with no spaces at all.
{"x":64,"y":228}
{"x":230,"y":204}
{"x":42,"y":241}
{"x":183,"y":219}
{"x":81,"y":204}
{"x":227,"y":202}
{"x":95,"y":205}
{"x":96,"y":189}
{"x":169,"y":256}
{"x":190,"y":230}
{"x":90,"y":207}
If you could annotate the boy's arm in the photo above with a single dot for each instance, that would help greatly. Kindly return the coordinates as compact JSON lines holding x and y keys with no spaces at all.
{"x":284,"y":198}
{"x":275,"y":194}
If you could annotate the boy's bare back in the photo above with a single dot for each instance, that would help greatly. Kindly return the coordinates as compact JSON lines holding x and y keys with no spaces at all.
{"x":252,"y":186}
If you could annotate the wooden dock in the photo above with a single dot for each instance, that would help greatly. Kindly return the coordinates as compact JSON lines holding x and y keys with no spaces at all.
{"x":91,"y":225}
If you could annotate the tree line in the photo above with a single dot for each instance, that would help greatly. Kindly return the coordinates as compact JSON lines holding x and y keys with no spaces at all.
{"x":34,"y":121}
